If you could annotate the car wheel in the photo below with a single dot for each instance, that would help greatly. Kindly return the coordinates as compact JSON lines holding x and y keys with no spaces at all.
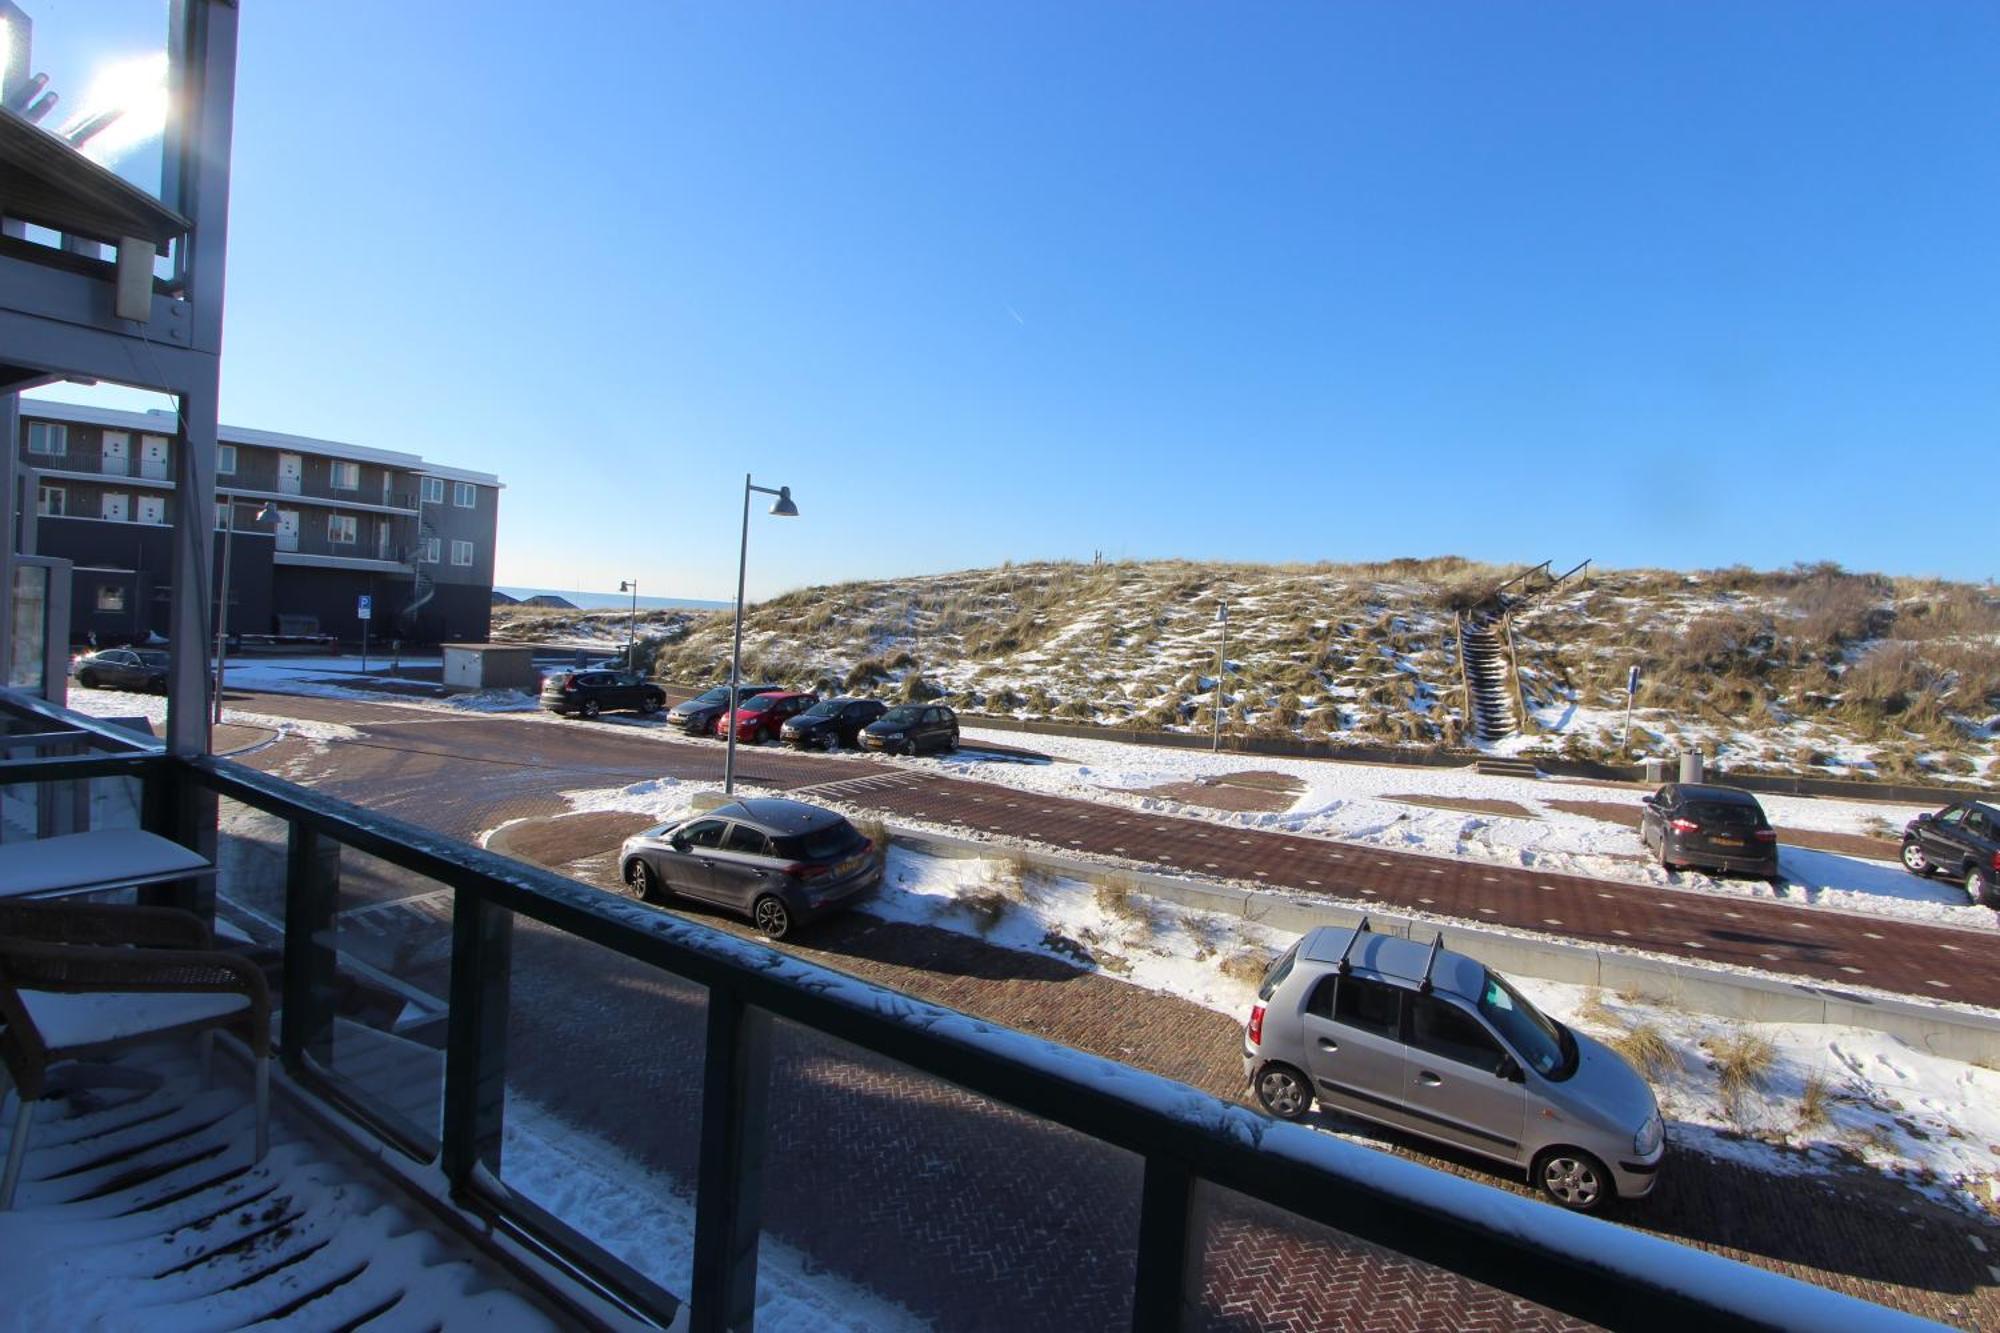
{"x":1572,"y":1178}
{"x":829,"y":742}
{"x":771,"y":917}
{"x":1979,"y":886}
{"x":909,"y":750}
{"x":951,"y":744}
{"x":642,"y":880}
{"x":1283,"y":1091}
{"x":1914,"y":859}
{"x":650,"y":704}
{"x":87,"y":679}
{"x":587,"y":708}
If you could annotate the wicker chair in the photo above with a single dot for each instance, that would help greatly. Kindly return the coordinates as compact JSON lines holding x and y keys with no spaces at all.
{"x":79,"y":980}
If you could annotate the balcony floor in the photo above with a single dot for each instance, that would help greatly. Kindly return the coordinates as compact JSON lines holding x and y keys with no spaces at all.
{"x":142,"y":1209}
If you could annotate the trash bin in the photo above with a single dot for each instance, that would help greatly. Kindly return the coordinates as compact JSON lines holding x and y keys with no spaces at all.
{"x":1656,"y":770}
{"x":1690,"y":765}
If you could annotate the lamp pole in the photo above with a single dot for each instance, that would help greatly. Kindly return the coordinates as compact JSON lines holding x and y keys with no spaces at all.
{"x":631,"y":626}
{"x":1221,"y":664}
{"x":783,"y":508}
{"x":222,"y":598}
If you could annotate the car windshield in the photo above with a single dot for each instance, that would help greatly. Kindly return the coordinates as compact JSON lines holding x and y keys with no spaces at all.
{"x":820,"y":844}
{"x":824,"y":708}
{"x":905,"y":716}
{"x":759,"y":704}
{"x":1539,"y":1040}
{"x":718,"y":695}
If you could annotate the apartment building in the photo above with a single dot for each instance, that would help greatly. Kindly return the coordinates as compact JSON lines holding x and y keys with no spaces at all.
{"x":318,"y":525}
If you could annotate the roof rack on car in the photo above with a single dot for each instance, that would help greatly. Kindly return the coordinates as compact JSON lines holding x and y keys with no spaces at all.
{"x":1359,"y":931}
{"x":1424,"y":986}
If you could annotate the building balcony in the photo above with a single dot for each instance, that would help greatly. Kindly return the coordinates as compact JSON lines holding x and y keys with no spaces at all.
{"x":152,"y":472}
{"x":624,"y":1118}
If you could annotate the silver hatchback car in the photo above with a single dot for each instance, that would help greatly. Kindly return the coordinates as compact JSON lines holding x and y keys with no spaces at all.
{"x":1428,"y":1041}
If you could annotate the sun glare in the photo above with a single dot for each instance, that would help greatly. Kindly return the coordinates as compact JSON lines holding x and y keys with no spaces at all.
{"x":133,"y":93}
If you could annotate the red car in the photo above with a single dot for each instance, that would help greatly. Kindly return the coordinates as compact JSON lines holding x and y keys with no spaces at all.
{"x":759,"y":719}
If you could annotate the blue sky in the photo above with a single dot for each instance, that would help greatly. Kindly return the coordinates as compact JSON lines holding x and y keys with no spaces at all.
{"x":1682,"y":284}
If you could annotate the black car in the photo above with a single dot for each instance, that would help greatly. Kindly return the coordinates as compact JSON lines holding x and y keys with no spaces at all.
{"x":1962,"y":841}
{"x":777,"y":862}
{"x":588,"y":693}
{"x":698,"y":716}
{"x":831,"y":723}
{"x":912,"y":728}
{"x":123,"y":669}
{"x":1715,"y":828}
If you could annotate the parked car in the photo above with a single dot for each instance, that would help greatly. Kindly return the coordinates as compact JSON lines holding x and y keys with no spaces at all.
{"x":911,"y":728}
{"x":780,"y":863}
{"x":123,"y":669}
{"x":1715,"y":828}
{"x":831,"y":723}
{"x":588,"y":693}
{"x":1962,"y":841}
{"x":697,"y":716}
{"x":758,"y":719}
{"x":1432,"y":1042}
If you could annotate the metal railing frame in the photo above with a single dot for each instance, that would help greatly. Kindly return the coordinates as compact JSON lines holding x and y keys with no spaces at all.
{"x":1187,"y":1140}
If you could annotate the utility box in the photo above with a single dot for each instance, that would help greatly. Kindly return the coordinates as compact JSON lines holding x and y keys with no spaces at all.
{"x":1690,"y":765}
{"x":1656,"y":771}
{"x":490,"y":666}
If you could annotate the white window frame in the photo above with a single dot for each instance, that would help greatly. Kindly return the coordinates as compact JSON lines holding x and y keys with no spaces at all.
{"x":433,"y":490}
{"x":459,"y":548}
{"x":43,"y":493}
{"x":112,"y":592}
{"x":430,"y":554}
{"x":464,"y":495}
{"x":343,"y":468}
{"x":48,"y":432}
{"x":225,"y":460}
{"x":342,"y":529}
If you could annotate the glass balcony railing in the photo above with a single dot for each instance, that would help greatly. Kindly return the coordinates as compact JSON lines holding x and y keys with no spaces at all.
{"x":94,"y":77}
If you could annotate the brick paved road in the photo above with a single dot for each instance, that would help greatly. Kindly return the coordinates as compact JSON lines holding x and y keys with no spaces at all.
{"x":531,"y":757}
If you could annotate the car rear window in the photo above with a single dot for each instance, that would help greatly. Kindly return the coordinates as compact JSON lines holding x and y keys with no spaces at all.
{"x":820,"y":844}
{"x":557,"y":679}
{"x":1279,"y":971}
{"x":1721,"y":814}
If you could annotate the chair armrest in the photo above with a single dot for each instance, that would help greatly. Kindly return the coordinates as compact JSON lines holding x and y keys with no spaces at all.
{"x":101,"y":924}
{"x":78,"y":969}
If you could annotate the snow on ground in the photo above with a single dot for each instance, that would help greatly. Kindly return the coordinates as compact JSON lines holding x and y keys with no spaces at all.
{"x":1817,"y":1096}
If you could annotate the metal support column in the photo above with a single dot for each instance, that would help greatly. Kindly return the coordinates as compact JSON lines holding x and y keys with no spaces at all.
{"x":1169,"y":1249}
{"x":728,"y":1209}
{"x":312,"y":898}
{"x":475,"y":1064}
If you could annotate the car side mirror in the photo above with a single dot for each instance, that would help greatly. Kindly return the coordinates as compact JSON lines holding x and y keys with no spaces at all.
{"x":678,"y":842}
{"x":1510,"y":1070}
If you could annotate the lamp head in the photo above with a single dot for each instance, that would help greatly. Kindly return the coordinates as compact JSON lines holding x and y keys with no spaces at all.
{"x":784,"y":508}
{"x":624,"y":586}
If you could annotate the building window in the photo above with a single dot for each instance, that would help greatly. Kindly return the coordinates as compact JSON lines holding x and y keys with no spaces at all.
{"x":430,"y":550}
{"x":463,"y":495}
{"x":225,"y":460}
{"x":461,"y":553}
{"x":50,"y":502}
{"x":110,"y":597}
{"x":222,"y":513}
{"x":346,"y":476}
{"x":433,"y":490}
{"x":47,"y":437}
{"x":340,"y":528}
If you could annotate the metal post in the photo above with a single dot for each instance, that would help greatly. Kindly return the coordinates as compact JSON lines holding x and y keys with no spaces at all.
{"x":1221,"y":665}
{"x":1169,"y":1260}
{"x":728,"y":1207}
{"x":475,"y":1065}
{"x":736,"y":648}
{"x":10,"y":432}
{"x":222,"y":607}
{"x":632,"y":625}
{"x":312,"y":895}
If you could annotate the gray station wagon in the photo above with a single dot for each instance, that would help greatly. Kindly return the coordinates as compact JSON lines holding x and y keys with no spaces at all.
{"x":1421,"y":1039}
{"x":777,"y":862}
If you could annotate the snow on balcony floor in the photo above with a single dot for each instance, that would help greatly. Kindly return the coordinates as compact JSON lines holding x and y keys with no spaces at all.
{"x":143,"y":1209}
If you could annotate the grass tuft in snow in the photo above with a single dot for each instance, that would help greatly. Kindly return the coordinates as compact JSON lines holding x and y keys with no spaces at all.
{"x":1740,"y":1060}
{"x":1647,"y":1049}
{"x":1815,"y":1103}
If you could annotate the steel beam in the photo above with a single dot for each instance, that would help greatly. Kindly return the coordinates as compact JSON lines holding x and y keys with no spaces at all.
{"x":729,"y":1191}
{"x":312,"y":896}
{"x":475,"y":1062}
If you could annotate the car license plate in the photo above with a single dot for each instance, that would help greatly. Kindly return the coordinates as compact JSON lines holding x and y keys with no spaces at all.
{"x":849,"y":866}
{"x":1729,"y":842}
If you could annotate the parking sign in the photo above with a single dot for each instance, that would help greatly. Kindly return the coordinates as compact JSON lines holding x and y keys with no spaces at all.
{"x":364,"y":608}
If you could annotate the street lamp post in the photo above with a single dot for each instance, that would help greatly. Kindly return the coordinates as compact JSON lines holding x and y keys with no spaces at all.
{"x":222,"y":597}
{"x":783,"y":508}
{"x":1221,"y":665}
{"x":631,"y":626}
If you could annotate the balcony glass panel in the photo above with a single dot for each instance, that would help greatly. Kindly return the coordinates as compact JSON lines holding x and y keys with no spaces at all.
{"x":94,"y":76}
{"x":1263,"y":1267}
{"x":49,"y":809}
{"x":391,"y":933}
{"x":891,"y":1191}
{"x":603,"y":1113}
